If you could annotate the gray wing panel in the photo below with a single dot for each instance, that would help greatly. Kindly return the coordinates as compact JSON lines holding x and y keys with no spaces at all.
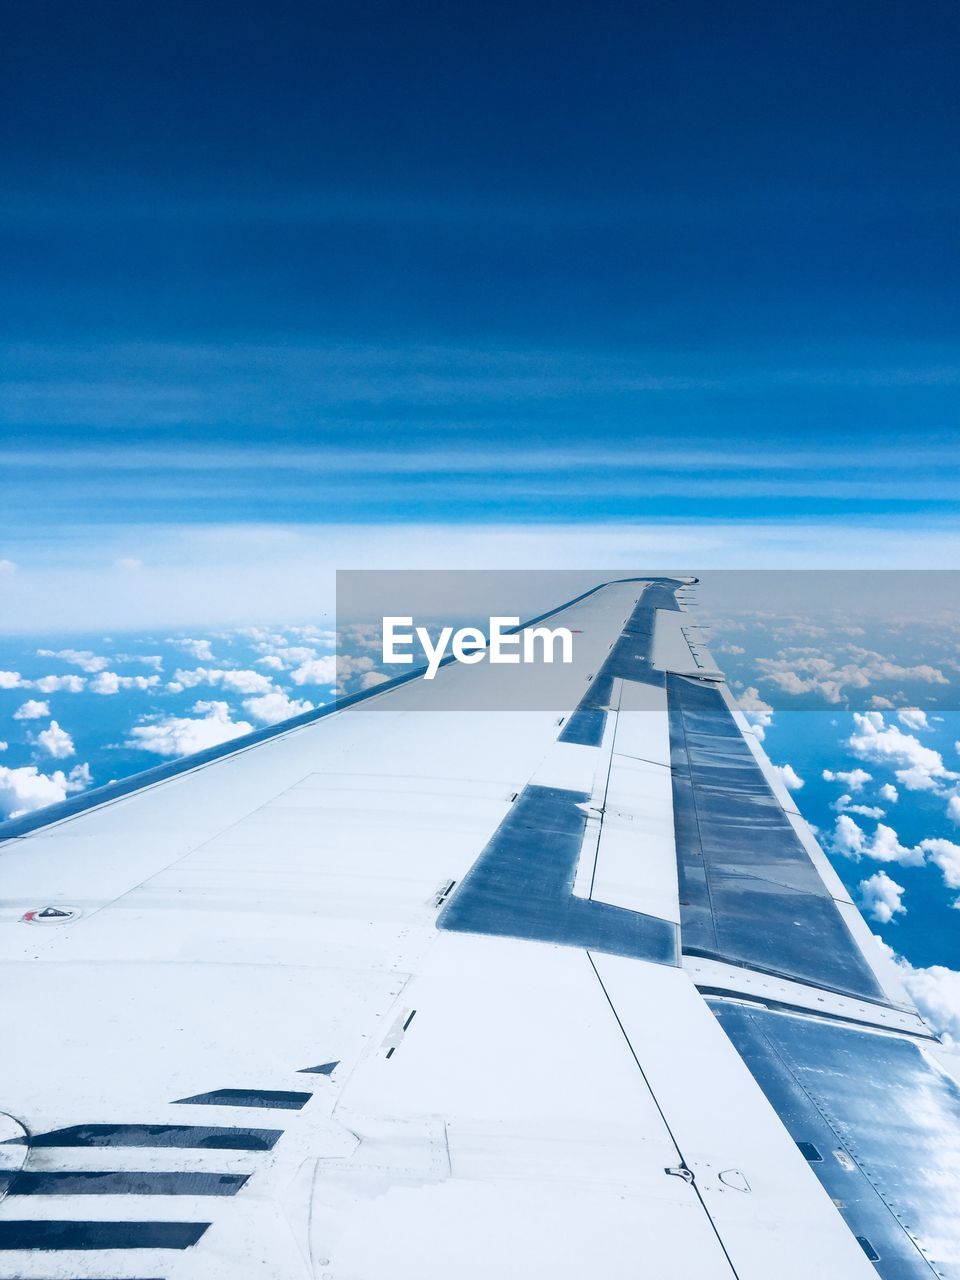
{"x":879,"y":1124}
{"x":749,"y":894}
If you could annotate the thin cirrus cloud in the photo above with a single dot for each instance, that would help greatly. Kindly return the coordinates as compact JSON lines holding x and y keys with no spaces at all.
{"x":483,"y":430}
{"x":403,"y":482}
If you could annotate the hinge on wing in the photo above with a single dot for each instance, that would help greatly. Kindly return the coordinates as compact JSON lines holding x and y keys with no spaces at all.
{"x":680,"y":1171}
{"x":443,"y":892}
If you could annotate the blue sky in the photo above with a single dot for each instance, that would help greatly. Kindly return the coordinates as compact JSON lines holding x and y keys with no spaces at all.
{"x":637,"y":268}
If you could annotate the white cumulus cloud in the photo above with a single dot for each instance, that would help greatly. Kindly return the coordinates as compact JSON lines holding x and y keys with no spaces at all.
{"x":945,"y":855}
{"x":271,"y":708}
{"x":848,"y":837}
{"x":845,"y":804}
{"x":789,"y":776}
{"x":913,"y":717}
{"x":885,"y":846}
{"x":917,"y":768}
{"x":852,"y":841}
{"x":199,"y":649}
{"x":854,"y":779}
{"x":32,"y":710}
{"x":183,"y":735}
{"x":805,"y":670}
{"x":232,"y":681}
{"x":318,"y":671}
{"x":82,"y":658}
{"x":882,"y":897}
{"x":108,"y":682}
{"x":936,"y":993}
{"x":372,"y":679}
{"x":11,"y":680}
{"x":66,"y":684}
{"x":759,"y":714}
{"x":889,"y":793}
{"x":56,"y":741}
{"x":25,"y":789}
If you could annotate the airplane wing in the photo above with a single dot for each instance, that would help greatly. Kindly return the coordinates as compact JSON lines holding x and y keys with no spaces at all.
{"x":396,"y":992}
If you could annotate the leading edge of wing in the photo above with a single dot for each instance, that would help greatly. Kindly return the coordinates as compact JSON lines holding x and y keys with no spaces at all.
{"x":26,"y":823}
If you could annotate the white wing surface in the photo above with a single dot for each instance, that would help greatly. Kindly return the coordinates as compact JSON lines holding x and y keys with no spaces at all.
{"x":402,"y":992}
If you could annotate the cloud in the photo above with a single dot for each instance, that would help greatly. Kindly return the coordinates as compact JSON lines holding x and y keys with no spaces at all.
{"x":32,"y":710}
{"x":913,"y":717}
{"x":11,"y":680}
{"x":889,"y":793}
{"x":68,"y":684}
{"x":183,"y":735}
{"x":56,"y":741}
{"x":199,"y":649}
{"x":278,"y":655}
{"x":848,"y":838}
{"x":129,"y":563}
{"x":108,"y":682}
{"x":232,"y":681}
{"x":7,"y":568}
{"x":372,"y":678}
{"x":881,"y":897}
{"x":953,"y":809}
{"x":854,"y":779}
{"x":851,"y":840}
{"x":759,"y":714}
{"x":945,"y":855}
{"x":318,"y":671}
{"x":920,"y":768}
{"x":81,"y":658}
{"x":844,"y":804}
{"x":4,"y":746}
{"x":788,"y":776}
{"x":886,"y":847}
{"x":798,"y":671}
{"x":26,"y":789}
{"x":273,"y":707}
{"x":145,"y":659}
{"x":935,"y":991}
